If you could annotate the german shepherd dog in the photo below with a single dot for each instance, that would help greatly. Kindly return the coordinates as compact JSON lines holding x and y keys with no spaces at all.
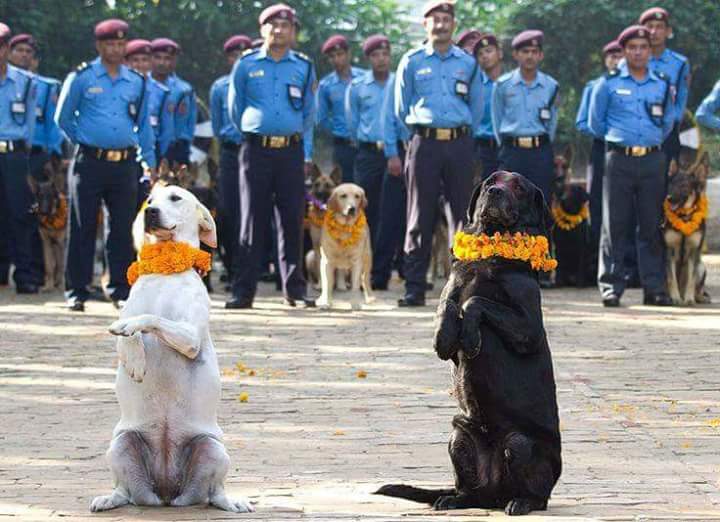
{"x":52,"y":212}
{"x":505,"y":444}
{"x":317,"y":195}
{"x":685,"y":270}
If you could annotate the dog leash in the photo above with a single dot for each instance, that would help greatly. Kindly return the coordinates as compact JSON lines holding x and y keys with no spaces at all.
{"x":315,"y":202}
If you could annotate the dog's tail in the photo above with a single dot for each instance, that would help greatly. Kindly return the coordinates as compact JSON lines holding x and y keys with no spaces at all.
{"x":425,"y":496}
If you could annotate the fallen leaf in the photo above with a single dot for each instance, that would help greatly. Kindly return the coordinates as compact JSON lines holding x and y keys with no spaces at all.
{"x":251,"y":373}
{"x":339,"y":432}
{"x":244,"y":397}
{"x":686,"y":445}
{"x":714,"y":423}
{"x":361,"y":374}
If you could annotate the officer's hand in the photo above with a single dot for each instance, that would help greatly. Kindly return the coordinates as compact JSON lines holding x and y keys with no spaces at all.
{"x":394,"y":166}
{"x":307,"y":169}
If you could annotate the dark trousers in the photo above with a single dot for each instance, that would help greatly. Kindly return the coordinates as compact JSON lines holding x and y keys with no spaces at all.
{"x":486,"y":157}
{"x":535,"y":164}
{"x":595,"y":184}
{"x":632,"y":186}
{"x":344,"y":155}
{"x":271,"y":181}
{"x":18,"y":224}
{"x":229,"y":185}
{"x":431,"y":163}
{"x":92,"y":182}
{"x":391,"y":229}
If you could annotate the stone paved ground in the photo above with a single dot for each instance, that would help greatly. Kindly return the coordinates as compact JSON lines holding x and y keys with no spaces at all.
{"x":638,"y":389}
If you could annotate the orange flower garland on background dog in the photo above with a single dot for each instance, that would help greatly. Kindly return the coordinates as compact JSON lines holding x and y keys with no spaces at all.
{"x":169,"y":257}
{"x":59,"y":219}
{"x":345,"y":235}
{"x":569,"y":221}
{"x":687,"y":220}
{"x":522,"y":247}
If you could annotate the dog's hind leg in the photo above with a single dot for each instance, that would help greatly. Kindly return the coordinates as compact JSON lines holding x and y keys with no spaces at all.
{"x":530,"y":473}
{"x":672,"y":276}
{"x":206,"y":463}
{"x":701,"y":295}
{"x":128,"y":456}
{"x":327,"y":278}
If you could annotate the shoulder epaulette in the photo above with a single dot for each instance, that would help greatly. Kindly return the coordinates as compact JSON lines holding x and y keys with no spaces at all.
{"x":82,"y":67}
{"x":413,"y":52}
{"x":303,"y":56}
{"x":137,"y":73}
{"x":505,"y":77}
{"x":248,"y":52}
{"x":679,"y":56}
{"x":612,"y":74}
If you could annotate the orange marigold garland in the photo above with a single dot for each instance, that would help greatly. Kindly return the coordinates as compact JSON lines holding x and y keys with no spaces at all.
{"x":345,"y":235}
{"x":59,"y":219}
{"x":522,"y":247}
{"x":315,"y":216}
{"x":169,"y":257}
{"x":569,"y":221}
{"x":687,"y":220}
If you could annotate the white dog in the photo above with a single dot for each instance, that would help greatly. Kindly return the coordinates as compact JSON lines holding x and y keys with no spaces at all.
{"x":166,"y":448}
{"x":346,"y":204}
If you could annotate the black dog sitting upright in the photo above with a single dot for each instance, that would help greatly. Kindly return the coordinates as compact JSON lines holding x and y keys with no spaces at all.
{"x":575,"y":253}
{"x":505,"y":445}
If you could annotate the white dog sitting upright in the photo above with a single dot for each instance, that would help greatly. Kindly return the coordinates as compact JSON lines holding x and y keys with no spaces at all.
{"x":166,"y":448}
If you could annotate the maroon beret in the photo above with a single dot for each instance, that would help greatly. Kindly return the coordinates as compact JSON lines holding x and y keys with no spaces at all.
{"x":4,"y":33}
{"x":654,"y":13}
{"x":23,"y":38}
{"x":277,"y":11}
{"x":111,"y":29}
{"x":374,"y":42}
{"x":467,"y":39}
{"x":612,"y":47}
{"x":164,"y":45}
{"x":634,"y":31}
{"x":137,"y":46}
{"x":336,"y":41}
{"x":435,"y":5}
{"x":257,"y":42}
{"x":485,"y":40}
{"x":529,"y":37}
{"x":239,"y":41}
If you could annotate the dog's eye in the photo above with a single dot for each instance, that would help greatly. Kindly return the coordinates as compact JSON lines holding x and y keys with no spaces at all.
{"x":175,"y":198}
{"x":149,"y":201}
{"x":343,"y":196}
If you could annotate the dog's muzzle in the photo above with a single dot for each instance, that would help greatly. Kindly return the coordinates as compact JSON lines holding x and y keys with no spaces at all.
{"x":351,"y":211}
{"x":152,"y":219}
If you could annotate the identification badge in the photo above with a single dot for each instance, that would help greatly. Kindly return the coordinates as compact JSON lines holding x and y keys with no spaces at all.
{"x":257,"y":74}
{"x":296,"y":96}
{"x":461,"y":88}
{"x":623,"y":92}
{"x":17,"y":107}
{"x":426,"y":70}
{"x":656,"y":110}
{"x":95,"y":90}
{"x":153,"y":120}
{"x":545,"y":114}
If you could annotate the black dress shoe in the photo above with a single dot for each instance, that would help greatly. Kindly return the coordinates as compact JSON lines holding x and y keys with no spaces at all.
{"x":239,"y":303}
{"x":379,"y":285}
{"x":75,"y":305}
{"x":429,"y":286}
{"x":657,"y":300}
{"x":411,"y":300}
{"x":612,"y":301}
{"x":27,"y":289}
{"x":303,"y":302}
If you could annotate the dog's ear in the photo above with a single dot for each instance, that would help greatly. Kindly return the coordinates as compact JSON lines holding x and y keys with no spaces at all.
{"x":363,"y":199}
{"x":336,"y":175}
{"x":543,"y":212}
{"x":314,"y":172}
{"x":208,"y":230}
{"x":333,"y":203}
{"x":473,"y":202}
{"x":702,"y":170}
{"x":138,"y":228}
{"x":164,"y":168}
{"x":674,"y":167}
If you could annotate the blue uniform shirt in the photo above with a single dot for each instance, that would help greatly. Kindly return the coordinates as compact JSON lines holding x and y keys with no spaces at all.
{"x":96,"y":110}
{"x":438,"y":91}
{"x":706,"y":114}
{"x":628,"y":112}
{"x":47,"y":134}
{"x":519,"y":109}
{"x":364,"y":102}
{"x":485,"y":128}
{"x":273,"y":98}
{"x":162,"y":119}
{"x":677,"y":69}
{"x":581,"y":121}
{"x":331,"y":102}
{"x":185,"y":107}
{"x":17,"y":105}
{"x":394,"y":130}
{"x":223,"y":128}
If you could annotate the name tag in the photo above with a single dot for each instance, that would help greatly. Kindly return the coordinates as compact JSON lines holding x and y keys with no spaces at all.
{"x":17,"y":108}
{"x":95,"y":90}
{"x":153,"y":120}
{"x":461,"y":88}
{"x":545,"y":114}
{"x":623,"y":92}
{"x":656,"y":110}
{"x":294,"y":91}
{"x":425,"y":70}
{"x":257,"y":74}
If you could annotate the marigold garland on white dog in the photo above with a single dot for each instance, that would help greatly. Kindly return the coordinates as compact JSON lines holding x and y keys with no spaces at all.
{"x":168,"y":257}
{"x":345,"y":235}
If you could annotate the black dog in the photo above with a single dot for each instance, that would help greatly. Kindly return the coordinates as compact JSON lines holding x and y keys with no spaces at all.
{"x":505,"y":446}
{"x":576,"y":257}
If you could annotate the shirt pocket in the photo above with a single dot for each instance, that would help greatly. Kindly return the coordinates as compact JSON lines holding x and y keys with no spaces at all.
{"x":424,"y":83}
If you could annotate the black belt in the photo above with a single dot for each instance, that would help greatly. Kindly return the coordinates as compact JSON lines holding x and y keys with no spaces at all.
{"x":598,"y":142}
{"x":337,"y":140}
{"x":37,"y":149}
{"x":526,"y":142}
{"x":12,"y":146}
{"x":635,"y":152}
{"x":442,"y":134}
{"x":111,"y":155}
{"x":374,"y":146}
{"x":230,"y":145}
{"x":273,"y":142}
{"x":488,"y":143}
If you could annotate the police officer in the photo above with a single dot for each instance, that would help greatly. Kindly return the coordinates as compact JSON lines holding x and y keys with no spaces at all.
{"x":673,"y":65}
{"x":612,"y":54}
{"x":229,"y":138}
{"x":467,"y":39}
{"x":181,"y":103}
{"x":272,"y":103}
{"x":331,"y":102}
{"x":438,"y":92}
{"x":524,"y":113}
{"x":138,"y":56}
{"x":489,"y":55}
{"x":103,"y":110}
{"x":707,"y":113}
{"x":632,"y":108}
{"x":17,"y":125}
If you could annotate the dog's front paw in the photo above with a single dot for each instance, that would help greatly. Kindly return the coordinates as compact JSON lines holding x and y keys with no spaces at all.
{"x":447,"y":334}
{"x":323,"y":303}
{"x":238,"y":505}
{"x":124,"y":327}
{"x":471,"y":339}
{"x":131,"y":351}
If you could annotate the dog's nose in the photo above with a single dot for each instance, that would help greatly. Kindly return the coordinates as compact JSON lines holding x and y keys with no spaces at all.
{"x":351,"y":211}
{"x":152,"y":212}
